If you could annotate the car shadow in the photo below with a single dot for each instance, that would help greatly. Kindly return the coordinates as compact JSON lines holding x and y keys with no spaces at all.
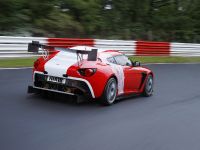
{"x":62,"y":99}
{"x":131,"y":98}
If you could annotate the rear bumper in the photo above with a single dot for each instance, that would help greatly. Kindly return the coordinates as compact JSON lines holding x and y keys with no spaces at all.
{"x":33,"y":89}
{"x":73,"y":86}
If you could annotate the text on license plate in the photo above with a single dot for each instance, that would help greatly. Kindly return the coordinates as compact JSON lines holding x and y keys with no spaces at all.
{"x":56,"y":79}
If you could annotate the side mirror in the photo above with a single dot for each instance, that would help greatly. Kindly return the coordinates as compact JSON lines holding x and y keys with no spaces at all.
{"x":136,"y":64}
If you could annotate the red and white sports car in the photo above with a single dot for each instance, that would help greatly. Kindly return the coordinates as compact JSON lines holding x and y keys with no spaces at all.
{"x":81,"y":70}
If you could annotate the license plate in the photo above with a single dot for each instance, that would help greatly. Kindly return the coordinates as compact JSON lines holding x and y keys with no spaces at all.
{"x":56,"y":79}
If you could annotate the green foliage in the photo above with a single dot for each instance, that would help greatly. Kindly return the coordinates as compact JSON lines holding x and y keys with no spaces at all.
{"x":158,"y":20}
{"x":57,"y":24}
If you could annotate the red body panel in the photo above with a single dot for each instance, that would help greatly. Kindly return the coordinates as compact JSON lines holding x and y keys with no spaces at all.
{"x":133,"y":78}
{"x":98,"y":80}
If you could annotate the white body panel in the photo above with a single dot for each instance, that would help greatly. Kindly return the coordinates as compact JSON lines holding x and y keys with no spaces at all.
{"x":58,"y":65}
{"x":117,"y":69}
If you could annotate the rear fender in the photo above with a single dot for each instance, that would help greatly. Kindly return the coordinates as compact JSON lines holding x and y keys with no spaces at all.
{"x":97,"y":81}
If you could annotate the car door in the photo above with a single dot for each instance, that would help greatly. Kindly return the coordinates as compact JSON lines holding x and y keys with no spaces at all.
{"x":132,"y":75}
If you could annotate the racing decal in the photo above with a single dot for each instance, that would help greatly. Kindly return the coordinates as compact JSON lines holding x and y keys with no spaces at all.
{"x":119,"y":72}
{"x":58,"y":65}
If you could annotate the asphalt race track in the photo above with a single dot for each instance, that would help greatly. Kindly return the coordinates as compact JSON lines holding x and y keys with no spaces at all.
{"x":169,"y":120}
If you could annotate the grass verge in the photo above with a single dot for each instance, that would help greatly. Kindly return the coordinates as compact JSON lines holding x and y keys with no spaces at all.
{"x":28,"y":62}
{"x":16,"y":62}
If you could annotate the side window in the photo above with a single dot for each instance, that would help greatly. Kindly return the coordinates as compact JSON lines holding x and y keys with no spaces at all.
{"x":122,"y":60}
{"x":111,"y":60}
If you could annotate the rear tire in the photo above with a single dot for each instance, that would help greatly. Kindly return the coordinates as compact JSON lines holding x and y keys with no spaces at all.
{"x":110,"y":92}
{"x":148,"y":88}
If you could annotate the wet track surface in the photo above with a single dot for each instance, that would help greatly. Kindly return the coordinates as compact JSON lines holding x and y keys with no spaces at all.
{"x":169,"y":120}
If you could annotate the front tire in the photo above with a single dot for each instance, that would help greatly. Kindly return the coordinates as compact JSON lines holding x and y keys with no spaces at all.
{"x":148,"y":89}
{"x":110,"y":92}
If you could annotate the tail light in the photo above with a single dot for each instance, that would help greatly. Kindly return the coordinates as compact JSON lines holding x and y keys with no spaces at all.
{"x":87,"y":72}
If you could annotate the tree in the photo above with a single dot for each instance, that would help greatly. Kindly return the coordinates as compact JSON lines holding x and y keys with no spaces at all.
{"x":158,"y":20}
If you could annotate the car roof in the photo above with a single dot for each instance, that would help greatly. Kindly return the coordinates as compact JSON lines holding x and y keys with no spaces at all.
{"x":111,"y":52}
{"x":102,"y":53}
{"x":89,"y":48}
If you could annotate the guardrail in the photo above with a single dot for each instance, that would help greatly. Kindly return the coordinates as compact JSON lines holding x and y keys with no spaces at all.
{"x":17,"y":46}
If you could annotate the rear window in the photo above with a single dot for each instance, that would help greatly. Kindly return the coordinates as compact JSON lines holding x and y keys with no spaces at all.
{"x":111,"y":60}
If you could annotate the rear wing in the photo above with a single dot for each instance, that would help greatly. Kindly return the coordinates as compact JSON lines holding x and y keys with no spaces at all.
{"x":35,"y":46}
